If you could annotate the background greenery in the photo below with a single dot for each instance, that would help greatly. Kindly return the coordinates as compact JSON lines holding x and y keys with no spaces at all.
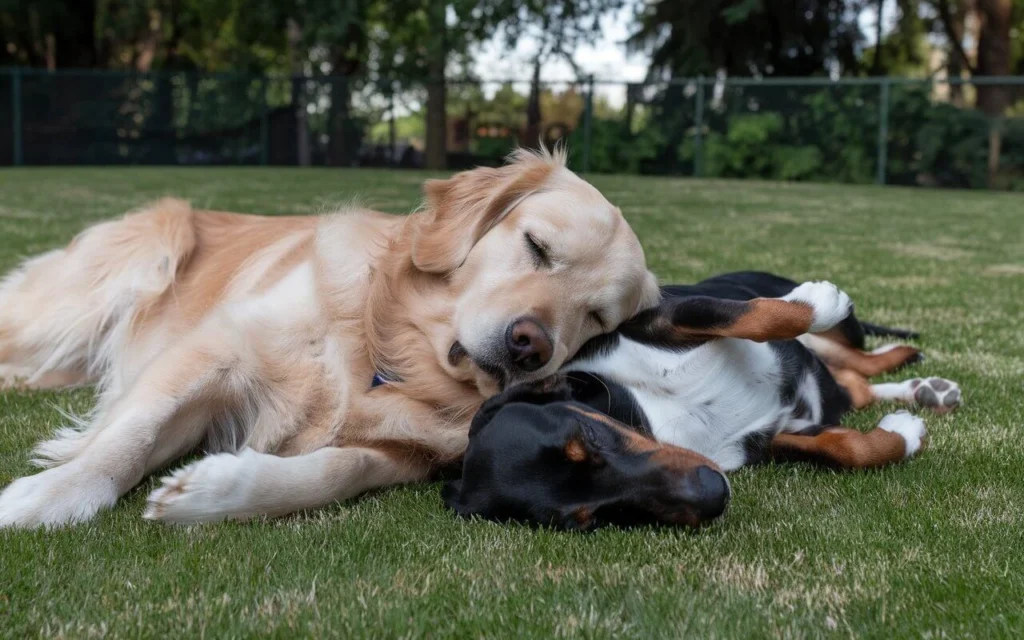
{"x":382,"y":74}
{"x":929,"y":548}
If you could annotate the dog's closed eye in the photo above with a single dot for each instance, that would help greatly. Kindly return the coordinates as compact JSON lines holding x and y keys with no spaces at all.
{"x":538,"y":252}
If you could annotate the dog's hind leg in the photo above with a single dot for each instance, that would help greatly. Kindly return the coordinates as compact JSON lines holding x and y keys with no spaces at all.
{"x":866,"y":363}
{"x":897,"y":437}
{"x":856,"y":385}
{"x":938,"y":394}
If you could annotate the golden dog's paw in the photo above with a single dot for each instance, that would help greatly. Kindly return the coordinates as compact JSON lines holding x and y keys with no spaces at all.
{"x":63,"y":495}
{"x":212,"y":489}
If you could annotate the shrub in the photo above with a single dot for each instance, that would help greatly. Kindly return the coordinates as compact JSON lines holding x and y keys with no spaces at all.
{"x":754,"y":147}
{"x":614,"y":149}
{"x":831,"y":134}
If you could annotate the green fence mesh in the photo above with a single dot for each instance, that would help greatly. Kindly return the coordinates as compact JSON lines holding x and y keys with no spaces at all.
{"x":860,"y":130}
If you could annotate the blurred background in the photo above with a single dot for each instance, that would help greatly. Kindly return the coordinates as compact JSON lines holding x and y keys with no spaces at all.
{"x":914,"y":92}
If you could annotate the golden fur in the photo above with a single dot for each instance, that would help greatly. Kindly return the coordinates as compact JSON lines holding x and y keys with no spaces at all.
{"x":257,"y":339}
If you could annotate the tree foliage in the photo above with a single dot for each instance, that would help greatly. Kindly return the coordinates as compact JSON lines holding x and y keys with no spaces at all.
{"x":748,"y":37}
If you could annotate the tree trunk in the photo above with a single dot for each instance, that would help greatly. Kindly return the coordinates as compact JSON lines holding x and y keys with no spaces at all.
{"x":437,"y":125}
{"x":994,"y":58}
{"x":876,"y":64}
{"x":531,"y":136}
{"x":955,"y":64}
{"x":994,"y":55}
{"x":295,"y":60}
{"x":632,"y":91}
{"x":392,"y":131}
{"x":341,"y":151}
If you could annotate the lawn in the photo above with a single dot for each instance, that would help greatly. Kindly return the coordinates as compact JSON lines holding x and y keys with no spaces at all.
{"x":934,"y":547}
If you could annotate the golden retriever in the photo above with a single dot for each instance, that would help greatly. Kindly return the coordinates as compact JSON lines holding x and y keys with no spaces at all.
{"x":314,"y":358}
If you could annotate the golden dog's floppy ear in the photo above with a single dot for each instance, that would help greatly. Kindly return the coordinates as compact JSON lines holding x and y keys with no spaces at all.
{"x":460,"y":210}
{"x":650,"y":292}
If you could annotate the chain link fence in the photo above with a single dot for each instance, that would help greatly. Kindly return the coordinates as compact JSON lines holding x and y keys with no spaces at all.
{"x":929,"y":132}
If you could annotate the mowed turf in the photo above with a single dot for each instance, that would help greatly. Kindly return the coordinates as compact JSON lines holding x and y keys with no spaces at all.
{"x":934,"y":547}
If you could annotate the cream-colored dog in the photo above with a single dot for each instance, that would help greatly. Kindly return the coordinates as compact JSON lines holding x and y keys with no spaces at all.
{"x":315,"y":358}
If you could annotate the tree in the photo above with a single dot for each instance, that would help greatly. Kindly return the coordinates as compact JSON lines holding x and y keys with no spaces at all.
{"x":437,"y":105}
{"x":413,"y":45}
{"x":48,"y":33}
{"x":905,"y":49}
{"x":748,"y":37}
{"x":559,"y":27}
{"x":995,"y":56}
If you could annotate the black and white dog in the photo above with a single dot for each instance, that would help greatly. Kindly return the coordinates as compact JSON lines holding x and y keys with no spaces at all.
{"x":643,"y":423}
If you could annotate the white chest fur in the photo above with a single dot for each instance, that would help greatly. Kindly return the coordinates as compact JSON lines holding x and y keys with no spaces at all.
{"x":707,"y":399}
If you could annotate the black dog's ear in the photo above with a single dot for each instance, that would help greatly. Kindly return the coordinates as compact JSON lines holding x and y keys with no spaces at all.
{"x":464,"y":506}
{"x":551,"y":389}
{"x":452,"y":495}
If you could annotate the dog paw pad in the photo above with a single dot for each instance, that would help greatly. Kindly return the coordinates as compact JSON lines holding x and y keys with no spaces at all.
{"x":938,"y":394}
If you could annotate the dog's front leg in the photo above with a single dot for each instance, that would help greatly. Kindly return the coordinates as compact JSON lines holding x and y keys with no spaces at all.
{"x":238,"y":487}
{"x":897,"y":437}
{"x":163,"y":415}
{"x":811,"y":307}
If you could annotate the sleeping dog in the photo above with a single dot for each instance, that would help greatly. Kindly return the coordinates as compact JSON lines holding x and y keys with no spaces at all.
{"x":643,"y":423}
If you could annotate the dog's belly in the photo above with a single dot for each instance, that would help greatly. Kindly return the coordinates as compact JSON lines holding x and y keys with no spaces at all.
{"x":711,"y":398}
{"x":715,"y":396}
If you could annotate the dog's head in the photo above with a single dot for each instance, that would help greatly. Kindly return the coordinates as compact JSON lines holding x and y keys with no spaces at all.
{"x":538,"y":262}
{"x":536,"y":456}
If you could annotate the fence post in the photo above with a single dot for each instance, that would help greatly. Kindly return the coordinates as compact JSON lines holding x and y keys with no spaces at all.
{"x":264,"y":124}
{"x":588,"y":117}
{"x":392,"y":128}
{"x":698,"y":129}
{"x":16,"y":115}
{"x":883,"y":130}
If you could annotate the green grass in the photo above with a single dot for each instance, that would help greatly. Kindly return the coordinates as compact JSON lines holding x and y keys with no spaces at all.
{"x":933,"y":547}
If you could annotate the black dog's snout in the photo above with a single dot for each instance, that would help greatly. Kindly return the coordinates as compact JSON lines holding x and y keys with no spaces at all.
{"x":529,"y":346}
{"x":706,"y":491}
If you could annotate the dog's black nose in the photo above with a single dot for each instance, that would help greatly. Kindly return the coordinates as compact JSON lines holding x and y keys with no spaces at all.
{"x":706,"y":491}
{"x":529,"y":346}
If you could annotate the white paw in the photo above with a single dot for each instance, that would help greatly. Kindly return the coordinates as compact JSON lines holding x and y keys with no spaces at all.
{"x":212,"y":489}
{"x":55,"y":497}
{"x":910,"y":427}
{"x":938,"y":394}
{"x":829,"y":303}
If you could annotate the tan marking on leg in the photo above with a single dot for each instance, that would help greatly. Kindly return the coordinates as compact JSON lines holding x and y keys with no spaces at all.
{"x":770,"y":319}
{"x":838,"y":356}
{"x":836,"y":335}
{"x":856,"y":385}
{"x":841,"y":447}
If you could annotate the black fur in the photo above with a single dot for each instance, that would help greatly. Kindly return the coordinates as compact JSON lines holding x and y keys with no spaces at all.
{"x":609,"y":398}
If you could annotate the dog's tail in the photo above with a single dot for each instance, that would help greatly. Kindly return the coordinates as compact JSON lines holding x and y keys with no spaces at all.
{"x":854,"y":331}
{"x":70,"y":310}
{"x":878,"y":330}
